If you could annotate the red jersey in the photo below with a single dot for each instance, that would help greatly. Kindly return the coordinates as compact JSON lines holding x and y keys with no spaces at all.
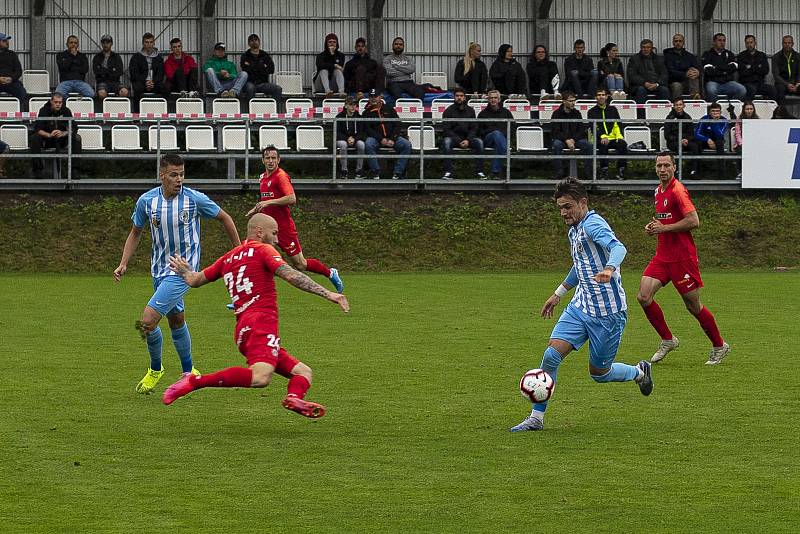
{"x":248,"y":273}
{"x":277,"y":185}
{"x":672,"y":205}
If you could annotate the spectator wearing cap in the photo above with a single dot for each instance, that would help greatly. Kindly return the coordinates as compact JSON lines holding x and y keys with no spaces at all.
{"x":350,"y":135}
{"x":180,"y":71}
{"x":330,"y":68}
{"x":384,"y":133}
{"x":72,"y":68}
{"x":107,"y":67}
{"x":146,"y":69}
{"x":221,"y":74}
{"x":10,"y":70}
{"x":259,"y":66}
{"x":362,"y":74}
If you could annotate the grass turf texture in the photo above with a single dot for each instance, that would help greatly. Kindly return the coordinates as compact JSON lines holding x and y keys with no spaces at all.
{"x":420,"y":382}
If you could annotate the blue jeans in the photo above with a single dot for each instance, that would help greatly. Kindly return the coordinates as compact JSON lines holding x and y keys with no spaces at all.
{"x":583,"y":146}
{"x":475,"y":144}
{"x":269,"y":89}
{"x":75,"y":86}
{"x":586,"y":86}
{"x":641,"y":92}
{"x":401,"y":146}
{"x":218,"y":85}
{"x":734,"y":90}
{"x":496,"y":140}
{"x":615,"y":84}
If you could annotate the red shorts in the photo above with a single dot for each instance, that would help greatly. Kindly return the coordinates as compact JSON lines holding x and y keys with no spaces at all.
{"x":287,"y":238}
{"x":259,"y":342}
{"x":684,"y":274}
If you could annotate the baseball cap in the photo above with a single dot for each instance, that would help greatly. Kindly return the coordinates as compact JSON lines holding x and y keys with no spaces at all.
{"x":105,"y":38}
{"x":253,"y":36}
{"x":4,"y":37}
{"x":219,"y":45}
{"x":349,"y":100}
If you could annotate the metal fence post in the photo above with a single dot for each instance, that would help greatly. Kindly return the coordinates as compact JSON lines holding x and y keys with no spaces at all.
{"x":333,"y":158}
{"x":508,"y":150}
{"x":680,"y":149}
{"x":247,"y":151}
{"x":158,"y":145}
{"x":69,"y":151}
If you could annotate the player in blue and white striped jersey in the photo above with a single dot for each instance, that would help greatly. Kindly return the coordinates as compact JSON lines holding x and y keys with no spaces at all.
{"x":173,"y":213}
{"x":597,"y":312}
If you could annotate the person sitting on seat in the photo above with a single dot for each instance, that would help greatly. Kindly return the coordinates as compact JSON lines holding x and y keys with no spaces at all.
{"x":330,"y":68}
{"x":221,"y":74}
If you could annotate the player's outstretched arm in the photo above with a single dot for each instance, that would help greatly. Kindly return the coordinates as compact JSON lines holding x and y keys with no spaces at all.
{"x":184,"y":270}
{"x":230,"y":227}
{"x":131,"y":243}
{"x":301,"y":281}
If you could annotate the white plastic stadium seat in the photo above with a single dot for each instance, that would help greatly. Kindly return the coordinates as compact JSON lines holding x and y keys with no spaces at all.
{"x":200,"y":138}
{"x":125,"y":137}
{"x":584,"y":105}
{"x":437,"y":79}
{"x":35,"y":103}
{"x":117,"y":104}
{"x":273,"y":135}
{"x":91,"y":138}
{"x":291,"y":81}
{"x":657,"y":110}
{"x":517,"y":108}
{"x":626,"y":109}
{"x":439,"y":105}
{"x":695,"y":108}
{"x":530,"y":139}
{"x":634,"y":134}
{"x":662,"y":140}
{"x":189,"y":106}
{"x":226,"y":106}
{"x":409,"y":109}
{"x":15,"y":136}
{"x":168,"y":140}
{"x":765,"y":108}
{"x":9,"y":104}
{"x":36,"y":82}
{"x":310,"y":138}
{"x":478,"y":104}
{"x":236,"y":137}
{"x":334,"y":106}
{"x":301,"y":106}
{"x":428,"y":137}
{"x":154,"y":106}
{"x":547,"y":108}
{"x":263,"y":106}
{"x":80,"y":104}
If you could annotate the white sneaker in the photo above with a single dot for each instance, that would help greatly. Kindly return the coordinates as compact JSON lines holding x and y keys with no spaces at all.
{"x":667,"y":346}
{"x":717,"y":353}
{"x":530,"y":423}
{"x":447,"y":176}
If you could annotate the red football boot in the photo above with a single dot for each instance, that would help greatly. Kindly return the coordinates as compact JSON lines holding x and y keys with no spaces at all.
{"x":303,"y":407}
{"x":179,"y":389}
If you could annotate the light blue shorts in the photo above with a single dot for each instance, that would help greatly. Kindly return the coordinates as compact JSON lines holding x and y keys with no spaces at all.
{"x":604,"y":334}
{"x":168,"y":296}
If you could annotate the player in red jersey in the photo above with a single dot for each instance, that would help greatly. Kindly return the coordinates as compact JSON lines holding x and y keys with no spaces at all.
{"x":248,"y":271}
{"x":675,"y":261}
{"x":277,"y":197}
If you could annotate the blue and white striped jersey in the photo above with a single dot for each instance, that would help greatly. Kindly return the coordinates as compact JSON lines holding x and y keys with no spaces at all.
{"x":591,"y":241}
{"x":174,"y":225}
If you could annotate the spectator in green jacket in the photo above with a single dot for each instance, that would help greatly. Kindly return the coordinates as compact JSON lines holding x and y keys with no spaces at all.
{"x":222,"y":76}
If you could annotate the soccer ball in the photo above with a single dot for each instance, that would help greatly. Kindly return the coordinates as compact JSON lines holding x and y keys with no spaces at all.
{"x":536,"y":385}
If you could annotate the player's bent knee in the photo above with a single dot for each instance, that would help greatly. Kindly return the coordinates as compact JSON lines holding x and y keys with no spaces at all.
{"x":644,"y":300}
{"x":606,"y":377}
{"x":262,"y":375}
{"x":304,"y":371}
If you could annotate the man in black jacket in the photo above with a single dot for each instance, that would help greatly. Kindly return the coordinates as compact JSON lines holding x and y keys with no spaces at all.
{"x":259,"y":66}
{"x":679,"y":133}
{"x":146,"y":69}
{"x":10,"y":70}
{"x":72,"y":68}
{"x":350,"y":135}
{"x":362,"y":74}
{"x":50,"y":132}
{"x":786,"y":69}
{"x":647,"y":74}
{"x":569,"y":135}
{"x":579,"y":71}
{"x":461,"y":134}
{"x":494,"y":133}
{"x":108,"y":69}
{"x":719,"y":71}
{"x":753,"y":69}
{"x":385,"y":133}
{"x":683,"y":69}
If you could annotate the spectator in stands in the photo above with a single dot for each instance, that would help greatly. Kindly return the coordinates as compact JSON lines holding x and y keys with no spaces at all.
{"x":676,"y":131}
{"x":180,"y":71}
{"x":330,"y":68}
{"x":72,"y":68}
{"x":786,"y":70}
{"x":222,"y":75}
{"x":569,"y":135}
{"x":710,"y":134}
{"x":753,"y":69}
{"x":495,"y":133}
{"x":400,"y":71}
{"x":683,"y":69}
{"x":146,"y":69}
{"x":781,"y":112}
{"x":471,"y":73}
{"x":50,"y":132}
{"x":386,"y":133}
{"x":542,"y":73}
{"x":259,"y":66}
{"x":748,"y":112}
{"x":719,"y":71}
{"x":461,"y":133}
{"x":10,"y":71}
{"x":350,"y":135}
{"x":108,"y":69}
{"x":579,"y":71}
{"x":362,"y":74}
{"x":607,"y":133}
{"x":611,"y":71}
{"x":3,"y":150}
{"x":506,"y":73}
{"x":647,"y":74}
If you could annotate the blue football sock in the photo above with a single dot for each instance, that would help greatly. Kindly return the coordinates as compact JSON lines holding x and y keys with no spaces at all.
{"x":620,"y":372}
{"x":183,"y":345}
{"x":550,"y":362}
{"x":154,"y":342}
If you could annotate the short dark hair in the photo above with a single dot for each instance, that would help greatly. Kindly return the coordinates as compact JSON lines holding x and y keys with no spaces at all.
{"x":600,"y":89}
{"x":270,"y":148}
{"x":645,"y":41}
{"x":174,"y":40}
{"x":720,"y":34}
{"x":748,"y":36}
{"x":170,"y":160}
{"x":361,"y":40}
{"x":715,"y":105}
{"x":677,"y":99}
{"x":666,"y":154}
{"x":459,"y":90}
{"x":59,"y":95}
{"x":572,"y":187}
{"x":148,"y":35}
{"x":566,"y":94}
{"x":578,"y":41}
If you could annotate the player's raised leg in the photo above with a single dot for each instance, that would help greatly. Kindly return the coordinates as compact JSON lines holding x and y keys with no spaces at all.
{"x":151,"y":333}
{"x":605,"y":335}
{"x":648,"y":287}
{"x":300,"y":377}
{"x":257,"y":375}
{"x":719,"y":349}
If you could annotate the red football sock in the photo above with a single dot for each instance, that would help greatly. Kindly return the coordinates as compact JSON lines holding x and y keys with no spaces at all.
{"x":656,"y":318}
{"x":709,"y":325}
{"x":298,"y":386}
{"x":232,"y":377}
{"x":316,"y":266}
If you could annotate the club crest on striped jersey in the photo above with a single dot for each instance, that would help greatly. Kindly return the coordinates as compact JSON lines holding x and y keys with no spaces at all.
{"x":155,"y":220}
{"x":184,"y":216}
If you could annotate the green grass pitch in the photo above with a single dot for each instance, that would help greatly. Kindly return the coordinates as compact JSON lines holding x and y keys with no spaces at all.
{"x":420,"y":382}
